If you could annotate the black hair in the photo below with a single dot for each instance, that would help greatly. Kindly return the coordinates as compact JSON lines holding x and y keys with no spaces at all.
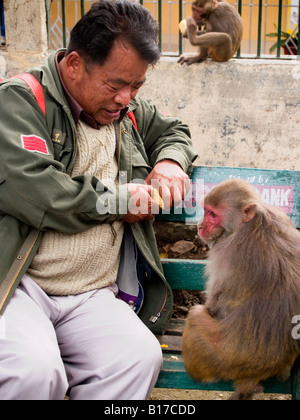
{"x":94,"y":34}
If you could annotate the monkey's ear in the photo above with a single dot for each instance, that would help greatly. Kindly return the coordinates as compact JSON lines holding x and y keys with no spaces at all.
{"x":215,"y":4}
{"x":248,"y":212}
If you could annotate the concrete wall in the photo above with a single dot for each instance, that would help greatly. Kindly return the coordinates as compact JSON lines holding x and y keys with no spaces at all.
{"x":241,"y":113}
{"x":26,"y":35}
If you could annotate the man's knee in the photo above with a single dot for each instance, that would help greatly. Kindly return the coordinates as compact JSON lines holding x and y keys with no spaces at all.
{"x":148,"y":353}
{"x":49,"y":373}
{"x":33,"y":376}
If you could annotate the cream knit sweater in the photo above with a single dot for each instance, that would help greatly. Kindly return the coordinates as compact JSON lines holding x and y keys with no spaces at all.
{"x":73,"y":264}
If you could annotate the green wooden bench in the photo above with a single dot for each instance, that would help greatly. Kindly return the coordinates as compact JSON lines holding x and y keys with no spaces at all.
{"x":277,"y":187}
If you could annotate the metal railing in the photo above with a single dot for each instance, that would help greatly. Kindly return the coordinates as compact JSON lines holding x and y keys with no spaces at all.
{"x":270,"y":26}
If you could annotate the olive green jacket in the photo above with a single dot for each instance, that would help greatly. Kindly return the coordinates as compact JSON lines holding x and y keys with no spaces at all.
{"x":37,"y":193}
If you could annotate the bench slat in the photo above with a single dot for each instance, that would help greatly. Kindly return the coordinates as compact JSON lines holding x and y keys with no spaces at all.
{"x":170,"y":343}
{"x":173,"y":375}
{"x":175,"y":326}
{"x":185,"y":274}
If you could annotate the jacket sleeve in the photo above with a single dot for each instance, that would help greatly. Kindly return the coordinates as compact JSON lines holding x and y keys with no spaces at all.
{"x":164,"y":137}
{"x":34,"y":187}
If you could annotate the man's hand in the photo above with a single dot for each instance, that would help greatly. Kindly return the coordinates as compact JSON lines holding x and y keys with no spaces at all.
{"x":171,"y":181}
{"x":172,"y":184}
{"x":141,"y":205}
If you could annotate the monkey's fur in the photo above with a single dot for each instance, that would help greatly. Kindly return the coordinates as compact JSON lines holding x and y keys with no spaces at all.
{"x":244,"y":331}
{"x":222,"y":34}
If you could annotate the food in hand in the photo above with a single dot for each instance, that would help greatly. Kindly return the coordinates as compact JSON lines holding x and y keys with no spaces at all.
{"x":183,"y":26}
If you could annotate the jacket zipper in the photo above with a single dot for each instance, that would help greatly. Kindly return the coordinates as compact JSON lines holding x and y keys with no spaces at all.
{"x":157,"y":314}
{"x":160,"y":307}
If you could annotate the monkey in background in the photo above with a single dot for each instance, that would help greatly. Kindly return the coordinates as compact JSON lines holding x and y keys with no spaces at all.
{"x":222,"y":34}
{"x":243,"y":332}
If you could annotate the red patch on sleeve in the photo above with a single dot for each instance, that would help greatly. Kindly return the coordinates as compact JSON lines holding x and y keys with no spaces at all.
{"x":34,"y":144}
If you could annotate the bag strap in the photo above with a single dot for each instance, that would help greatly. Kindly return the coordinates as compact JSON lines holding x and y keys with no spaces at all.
{"x":35,"y":86}
{"x":132,"y":117}
{"x":10,"y":282}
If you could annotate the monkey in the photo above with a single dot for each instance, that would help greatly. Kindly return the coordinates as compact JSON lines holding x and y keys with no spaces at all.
{"x":243,"y":332}
{"x":222,"y":34}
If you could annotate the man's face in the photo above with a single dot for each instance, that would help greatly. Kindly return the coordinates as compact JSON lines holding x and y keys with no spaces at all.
{"x":103,"y":91}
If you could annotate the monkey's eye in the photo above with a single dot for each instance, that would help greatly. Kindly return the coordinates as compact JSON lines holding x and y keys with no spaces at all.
{"x":212,"y":214}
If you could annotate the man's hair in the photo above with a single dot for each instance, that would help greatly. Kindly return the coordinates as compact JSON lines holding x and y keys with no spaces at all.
{"x":94,"y":34}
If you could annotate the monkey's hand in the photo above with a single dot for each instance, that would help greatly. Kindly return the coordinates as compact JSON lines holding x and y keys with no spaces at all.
{"x":191,"y":27}
{"x":191,"y":59}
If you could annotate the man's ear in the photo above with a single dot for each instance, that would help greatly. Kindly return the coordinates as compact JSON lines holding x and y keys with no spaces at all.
{"x":74,"y":65}
{"x":249,"y":212}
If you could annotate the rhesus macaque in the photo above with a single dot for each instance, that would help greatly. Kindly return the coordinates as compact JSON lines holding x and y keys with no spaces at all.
{"x":243,"y":332}
{"x":222,"y":34}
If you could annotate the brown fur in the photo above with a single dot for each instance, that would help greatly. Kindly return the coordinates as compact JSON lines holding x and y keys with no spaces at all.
{"x":222,"y":34}
{"x":243,"y":333}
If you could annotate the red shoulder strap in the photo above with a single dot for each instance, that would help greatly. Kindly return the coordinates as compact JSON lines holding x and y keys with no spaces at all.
{"x":132,"y":117}
{"x":35,"y":86}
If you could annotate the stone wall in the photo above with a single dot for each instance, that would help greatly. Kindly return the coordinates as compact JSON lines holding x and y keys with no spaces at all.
{"x":240,"y":113}
{"x":26,"y":36}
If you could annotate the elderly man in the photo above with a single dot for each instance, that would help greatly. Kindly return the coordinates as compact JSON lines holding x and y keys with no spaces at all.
{"x":81,"y":281}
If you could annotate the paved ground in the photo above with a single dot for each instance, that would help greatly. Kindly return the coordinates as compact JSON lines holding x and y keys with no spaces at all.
{"x":179,"y":394}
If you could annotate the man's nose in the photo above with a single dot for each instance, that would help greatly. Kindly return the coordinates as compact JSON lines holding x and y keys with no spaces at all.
{"x":123,"y":97}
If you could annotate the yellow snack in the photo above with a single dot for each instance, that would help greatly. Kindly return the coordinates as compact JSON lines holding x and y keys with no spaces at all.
{"x":183,"y":27}
{"x":157,"y":198}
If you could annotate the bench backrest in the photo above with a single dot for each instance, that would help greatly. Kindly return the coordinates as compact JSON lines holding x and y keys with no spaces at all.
{"x":277,"y":187}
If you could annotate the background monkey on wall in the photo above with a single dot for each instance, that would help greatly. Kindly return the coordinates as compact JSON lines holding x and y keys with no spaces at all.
{"x":244,"y":332}
{"x":222,"y":33}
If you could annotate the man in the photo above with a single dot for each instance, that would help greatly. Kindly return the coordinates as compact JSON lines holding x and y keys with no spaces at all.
{"x":76,"y":233}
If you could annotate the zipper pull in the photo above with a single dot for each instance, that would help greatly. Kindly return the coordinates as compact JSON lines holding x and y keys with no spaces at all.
{"x":154,"y":318}
{"x":131,"y":305}
{"x":114,"y":233}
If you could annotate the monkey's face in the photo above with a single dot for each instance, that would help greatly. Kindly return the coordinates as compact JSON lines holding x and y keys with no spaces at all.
{"x":197,"y":13}
{"x":211,"y":228}
{"x":227,"y":208}
{"x":202,"y":8}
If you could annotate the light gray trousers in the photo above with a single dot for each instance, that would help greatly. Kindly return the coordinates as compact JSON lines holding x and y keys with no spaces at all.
{"x":91,"y":345}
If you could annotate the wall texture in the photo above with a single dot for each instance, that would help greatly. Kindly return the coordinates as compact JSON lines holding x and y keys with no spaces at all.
{"x":26,"y":35}
{"x":241,"y":113}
